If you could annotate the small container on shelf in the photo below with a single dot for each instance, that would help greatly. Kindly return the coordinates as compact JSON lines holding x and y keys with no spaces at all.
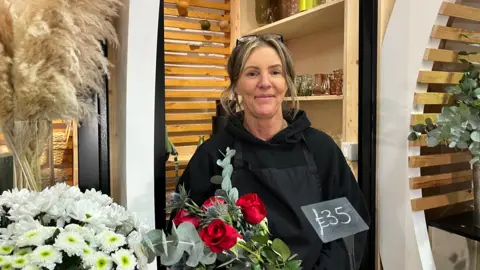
{"x":288,"y":8}
{"x":321,"y":85}
{"x":263,"y":12}
{"x":336,"y":82}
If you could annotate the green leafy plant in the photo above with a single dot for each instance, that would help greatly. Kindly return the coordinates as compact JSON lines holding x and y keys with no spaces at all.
{"x":457,"y":126}
{"x":171,"y":150}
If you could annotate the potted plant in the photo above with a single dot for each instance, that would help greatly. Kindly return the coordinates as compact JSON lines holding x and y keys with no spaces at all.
{"x":458,"y":125}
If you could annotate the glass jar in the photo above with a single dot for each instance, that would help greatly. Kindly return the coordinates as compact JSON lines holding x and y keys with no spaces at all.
{"x":321,"y":85}
{"x":263,"y":12}
{"x":288,"y":8}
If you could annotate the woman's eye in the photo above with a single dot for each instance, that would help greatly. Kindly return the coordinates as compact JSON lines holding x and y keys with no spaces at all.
{"x":251,"y":74}
{"x":276,"y":72}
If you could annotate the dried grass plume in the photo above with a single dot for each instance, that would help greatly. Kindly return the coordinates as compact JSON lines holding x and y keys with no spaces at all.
{"x":52,"y":64}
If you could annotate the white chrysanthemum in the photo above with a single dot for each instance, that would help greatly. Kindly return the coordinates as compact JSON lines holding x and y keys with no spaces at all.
{"x":88,"y":212}
{"x":134,"y":241}
{"x":59,"y":212}
{"x":22,"y":226}
{"x":22,"y":251}
{"x":71,"y":243}
{"x":46,"y":256}
{"x":87,"y":234}
{"x":31,"y":267}
{"x":116,"y":215}
{"x":14,"y":197}
{"x":102,"y":261}
{"x":6,"y":247}
{"x":98,"y":197}
{"x":19,"y":262}
{"x":88,"y":256}
{"x":35,"y":237}
{"x":5,"y":261}
{"x":124,"y":259}
{"x":110,"y":241}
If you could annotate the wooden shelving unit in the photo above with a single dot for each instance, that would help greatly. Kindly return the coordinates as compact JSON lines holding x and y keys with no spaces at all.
{"x":307,"y":22}
{"x":321,"y":40}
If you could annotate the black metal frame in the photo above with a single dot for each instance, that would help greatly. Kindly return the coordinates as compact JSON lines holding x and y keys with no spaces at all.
{"x":367,"y":119}
{"x":159,"y":143}
{"x":94,"y":147}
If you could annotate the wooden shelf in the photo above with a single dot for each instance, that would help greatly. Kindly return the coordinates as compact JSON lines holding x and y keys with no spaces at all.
{"x":325,"y":16}
{"x":312,"y":98}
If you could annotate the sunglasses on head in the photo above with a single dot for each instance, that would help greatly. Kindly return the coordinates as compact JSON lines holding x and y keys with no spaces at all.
{"x":248,"y":38}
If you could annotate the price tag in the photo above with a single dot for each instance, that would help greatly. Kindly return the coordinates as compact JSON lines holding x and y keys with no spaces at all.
{"x":334,"y":219}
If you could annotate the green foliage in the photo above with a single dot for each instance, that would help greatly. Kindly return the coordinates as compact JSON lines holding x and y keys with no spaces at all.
{"x":457,"y":126}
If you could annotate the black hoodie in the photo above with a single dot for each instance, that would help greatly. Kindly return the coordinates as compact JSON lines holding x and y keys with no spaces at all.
{"x":282,"y":151}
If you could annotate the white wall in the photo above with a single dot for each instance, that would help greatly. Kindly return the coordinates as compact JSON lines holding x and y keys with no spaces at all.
{"x":403,"y":236}
{"x":134,"y":103}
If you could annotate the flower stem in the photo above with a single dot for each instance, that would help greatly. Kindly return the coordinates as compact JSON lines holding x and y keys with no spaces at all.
{"x":250,"y":251}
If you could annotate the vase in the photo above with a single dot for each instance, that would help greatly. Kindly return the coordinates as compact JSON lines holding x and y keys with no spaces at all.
{"x":263,"y":12}
{"x":32,"y":147}
{"x":476,"y":194}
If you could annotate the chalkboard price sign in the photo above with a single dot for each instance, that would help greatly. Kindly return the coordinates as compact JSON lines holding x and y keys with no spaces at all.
{"x":334,"y":219}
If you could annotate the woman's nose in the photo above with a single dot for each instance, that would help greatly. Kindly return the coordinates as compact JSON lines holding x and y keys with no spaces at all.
{"x":264,"y":82}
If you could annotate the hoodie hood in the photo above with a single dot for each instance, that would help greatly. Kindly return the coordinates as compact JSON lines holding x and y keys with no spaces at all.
{"x":290,"y":135}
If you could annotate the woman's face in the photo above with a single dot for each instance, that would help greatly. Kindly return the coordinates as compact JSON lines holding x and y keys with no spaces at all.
{"x":262,"y":83}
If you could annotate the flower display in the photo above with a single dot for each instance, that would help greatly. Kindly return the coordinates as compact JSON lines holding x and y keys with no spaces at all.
{"x":227,"y":231}
{"x":63,"y":228}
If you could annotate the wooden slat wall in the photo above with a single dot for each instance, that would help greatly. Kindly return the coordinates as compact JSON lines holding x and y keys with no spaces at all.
{"x":445,"y":176}
{"x":195,"y":69}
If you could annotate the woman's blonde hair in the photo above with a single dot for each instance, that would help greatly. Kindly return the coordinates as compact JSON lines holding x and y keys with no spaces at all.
{"x":236,"y":64}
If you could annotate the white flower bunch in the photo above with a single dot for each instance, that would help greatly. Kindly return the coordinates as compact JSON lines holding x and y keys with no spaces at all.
{"x":63,"y":228}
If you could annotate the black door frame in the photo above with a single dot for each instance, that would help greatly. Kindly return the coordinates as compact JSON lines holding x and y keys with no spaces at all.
{"x":94,"y":146}
{"x":367,"y":119}
{"x":367,"y":87}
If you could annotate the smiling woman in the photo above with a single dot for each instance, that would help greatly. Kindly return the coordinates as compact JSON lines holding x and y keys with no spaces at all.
{"x":279,"y":156}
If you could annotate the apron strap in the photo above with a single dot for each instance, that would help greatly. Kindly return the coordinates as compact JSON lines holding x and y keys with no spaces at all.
{"x":312,"y":166}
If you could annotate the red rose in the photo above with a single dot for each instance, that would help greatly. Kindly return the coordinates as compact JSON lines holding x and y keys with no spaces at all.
{"x":219,"y":236}
{"x":182,"y":216}
{"x":252,"y":207}
{"x":212,"y":201}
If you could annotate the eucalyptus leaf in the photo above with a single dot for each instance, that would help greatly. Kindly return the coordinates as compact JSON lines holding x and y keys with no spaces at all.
{"x":216,"y":179}
{"x":208,"y":257}
{"x":195,"y":254}
{"x":432,"y":141}
{"x":175,"y":253}
{"x":452,"y":144}
{"x":474,"y":148}
{"x":412,"y":136}
{"x":279,"y":247}
{"x":419,"y":127}
{"x":233,"y":194}
{"x":475,"y":136}
{"x":227,"y":184}
{"x":475,"y":160}
{"x":462,"y":145}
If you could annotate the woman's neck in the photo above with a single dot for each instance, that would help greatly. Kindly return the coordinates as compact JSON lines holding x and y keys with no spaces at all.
{"x":264,"y":129}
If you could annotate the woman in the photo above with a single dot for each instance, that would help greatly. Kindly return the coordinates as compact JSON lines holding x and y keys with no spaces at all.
{"x":279,"y":155}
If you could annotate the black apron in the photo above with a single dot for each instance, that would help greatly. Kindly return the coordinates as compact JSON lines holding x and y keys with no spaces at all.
{"x":284,"y":191}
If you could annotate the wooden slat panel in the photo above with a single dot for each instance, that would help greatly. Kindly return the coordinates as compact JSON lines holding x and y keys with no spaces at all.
{"x":192,"y":94}
{"x":189,"y":105}
{"x":195,"y":71}
{"x":196,"y":37}
{"x":171,"y":174}
{"x":420,"y":142}
{"x":204,"y":4}
{"x":179,"y":59}
{"x":455,"y":34}
{"x":420,"y":118}
{"x":438,"y":159}
{"x":198,"y":14}
{"x":169,"y":165}
{"x":444,"y":77}
{"x":460,"y":11}
{"x":186,"y":139}
{"x":189,"y":116}
{"x":197,"y":49}
{"x":440,"y":179}
{"x":189,"y":128}
{"x":192,"y":25}
{"x":441,"y":200}
{"x":448,"y":56}
{"x":433,"y":98}
{"x":199,"y":83}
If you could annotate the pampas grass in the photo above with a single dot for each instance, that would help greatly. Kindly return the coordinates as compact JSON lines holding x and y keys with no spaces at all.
{"x":52,"y":66}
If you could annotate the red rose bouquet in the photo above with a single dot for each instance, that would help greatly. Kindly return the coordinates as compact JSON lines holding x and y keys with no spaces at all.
{"x":225,"y":231}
